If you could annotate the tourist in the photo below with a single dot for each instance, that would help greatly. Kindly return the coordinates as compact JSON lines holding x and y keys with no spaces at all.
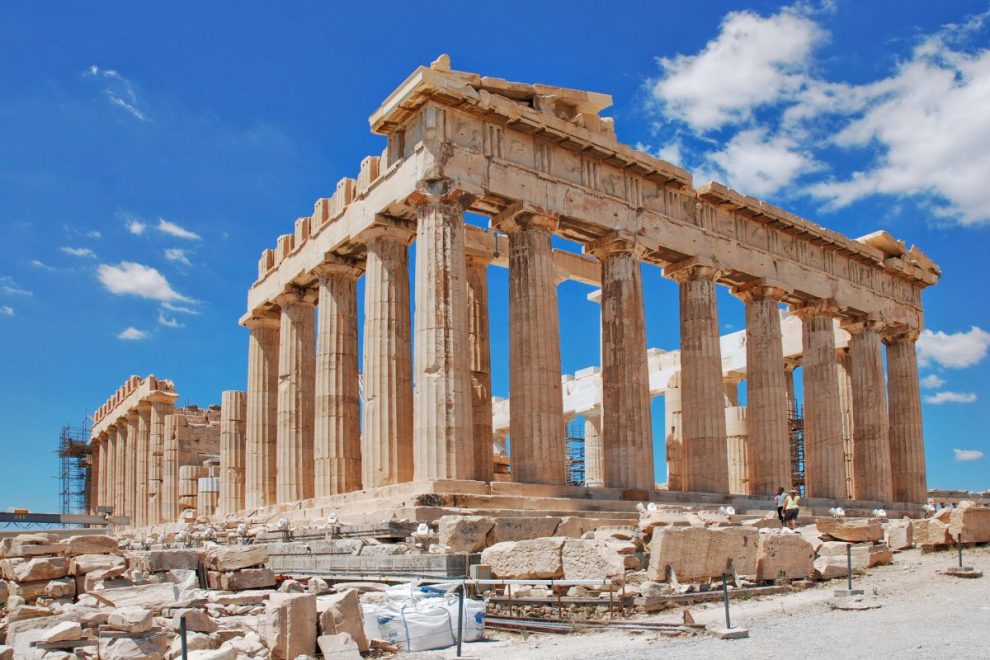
{"x":778,"y":501}
{"x":791,"y":509}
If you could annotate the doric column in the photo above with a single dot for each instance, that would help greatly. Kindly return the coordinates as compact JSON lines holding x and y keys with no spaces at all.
{"x":115,"y":471}
{"x":262,"y":397}
{"x":143,"y":464}
{"x":824,"y":469}
{"x":594,"y":469}
{"x":337,"y":432}
{"x":130,"y":459}
{"x":871,"y":442}
{"x":907,"y":441}
{"x":93,"y":484}
{"x":442,"y":419}
{"x":536,"y":402}
{"x":481,"y":368}
{"x":706,"y":466}
{"x":296,"y":362}
{"x":160,"y":407}
{"x":672,"y":433}
{"x":170,"y":470}
{"x":627,"y":427}
{"x":387,"y":435}
{"x":104,"y":467}
{"x":768,"y":449}
{"x":843,"y":372}
{"x":233,"y":413}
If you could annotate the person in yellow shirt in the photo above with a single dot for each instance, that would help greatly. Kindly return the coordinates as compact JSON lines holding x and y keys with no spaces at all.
{"x":791,"y":509}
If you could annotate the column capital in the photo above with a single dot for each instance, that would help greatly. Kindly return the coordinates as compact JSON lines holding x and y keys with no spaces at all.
{"x":859,"y":326}
{"x":260,"y":319}
{"x":295,"y":295}
{"x":693,"y":268}
{"x":144,"y":405}
{"x":338,"y":265}
{"x":891,"y":334}
{"x":439,"y":192}
{"x":616,"y":242}
{"x":162,"y":397}
{"x":816,"y":307}
{"x":132,"y":415}
{"x":520,"y":216}
{"x":389,"y":228}
{"x":477,"y":260}
{"x":761,"y":289}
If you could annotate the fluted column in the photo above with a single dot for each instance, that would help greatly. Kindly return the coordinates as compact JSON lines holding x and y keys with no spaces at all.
{"x":844,"y":374}
{"x":536,"y":406}
{"x":481,"y":369}
{"x":233,"y":445}
{"x":130,"y":459}
{"x":768,"y":449}
{"x":627,"y":427}
{"x":262,"y":403}
{"x":170,"y":470}
{"x":673,"y":446}
{"x":594,"y":469}
{"x":871,"y":442}
{"x":824,"y":469}
{"x":706,"y":467}
{"x":337,"y":432}
{"x":143,"y":464}
{"x":296,"y":362}
{"x":160,"y":407}
{"x":907,"y":441}
{"x":114,"y":473}
{"x":442,"y":419}
{"x":93,"y":484}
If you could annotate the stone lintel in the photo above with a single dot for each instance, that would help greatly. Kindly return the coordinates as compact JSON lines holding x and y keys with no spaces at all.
{"x":260,"y":318}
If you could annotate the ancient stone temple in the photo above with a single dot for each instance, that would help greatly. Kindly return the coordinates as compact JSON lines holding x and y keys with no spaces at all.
{"x":540,"y":161}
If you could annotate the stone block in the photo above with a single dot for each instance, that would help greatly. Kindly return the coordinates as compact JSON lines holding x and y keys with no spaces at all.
{"x":87,"y":563}
{"x":288,"y":625}
{"x":969,"y":524}
{"x":651,"y":520}
{"x":154,"y":597}
{"x":590,"y":560}
{"x":35,"y":568}
{"x":235,"y":557}
{"x":31,"y":591}
{"x":899,"y":534}
{"x":464,"y":533}
{"x":522,"y":529}
{"x":702,"y":553}
{"x":196,"y":620}
{"x":67,"y":631}
{"x":131,"y":619}
{"x":29,"y":545}
{"x":533,"y":559}
{"x":931,"y":531}
{"x":338,"y":647}
{"x":341,"y":614}
{"x":157,"y":561}
{"x":95,"y":544}
{"x":851,"y":530}
{"x":222,"y":653}
{"x":151,"y":646}
{"x":789,"y":554}
{"x":243,"y":580}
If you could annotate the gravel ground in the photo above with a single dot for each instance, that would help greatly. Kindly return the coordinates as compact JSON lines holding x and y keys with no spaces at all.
{"x":922,"y":615}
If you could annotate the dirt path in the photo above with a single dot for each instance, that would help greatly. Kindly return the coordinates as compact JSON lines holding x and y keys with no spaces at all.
{"x":922,"y":615}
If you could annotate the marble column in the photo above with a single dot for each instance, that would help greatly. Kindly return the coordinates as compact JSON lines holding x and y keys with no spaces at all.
{"x":130,"y":459}
{"x":871,"y":442}
{"x":170,"y":470}
{"x":907,"y":441}
{"x":442,"y":418}
{"x":768,"y":444}
{"x":627,"y":427}
{"x":824,"y":469}
{"x":143,"y":463}
{"x":536,"y":431}
{"x":337,"y":431}
{"x":844,"y":374}
{"x":233,"y":445}
{"x":481,"y":369}
{"x":594,"y":469}
{"x":93,"y":483}
{"x":387,"y":435}
{"x":673,"y":447}
{"x":262,"y":403}
{"x":115,"y":471}
{"x":296,"y":383}
{"x":160,"y":407}
{"x":103,"y":498}
{"x":703,"y":434}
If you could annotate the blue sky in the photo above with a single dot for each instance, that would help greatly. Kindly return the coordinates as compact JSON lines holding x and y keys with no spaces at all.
{"x":149,"y":153}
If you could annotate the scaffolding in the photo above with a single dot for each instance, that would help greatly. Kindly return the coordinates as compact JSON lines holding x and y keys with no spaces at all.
{"x":74,"y":468}
{"x":575,"y":453}
{"x":795,"y":432}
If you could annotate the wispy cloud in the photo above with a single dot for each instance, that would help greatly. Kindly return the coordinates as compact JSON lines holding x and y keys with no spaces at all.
{"x":78,"y":251}
{"x":169,"y":321}
{"x":94,"y":234}
{"x":177,"y":255}
{"x":37,"y":263}
{"x":119,"y":91}
{"x":955,"y":350}
{"x":173,"y":229}
{"x":131,"y":333}
{"x":179,"y":309}
{"x":11,"y":288}
{"x":6,"y":310}
{"x":932,"y":381}
{"x":129,"y":278}
{"x":950,"y":397}
{"x":968,"y":454}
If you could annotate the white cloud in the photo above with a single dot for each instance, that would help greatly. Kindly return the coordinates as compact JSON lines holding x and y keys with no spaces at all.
{"x":950,"y":397}
{"x":6,"y":310}
{"x":78,"y":251}
{"x":93,"y":234}
{"x":129,"y":278}
{"x":173,"y":229}
{"x":179,"y":309}
{"x":178,"y":255}
{"x":754,"y":61}
{"x":40,"y":264}
{"x":932,"y":381}
{"x":132,"y":334}
{"x":118,"y":90}
{"x":762,"y":165}
{"x":135,"y":226}
{"x":11,"y":288}
{"x":955,"y":350}
{"x":968,"y":454}
{"x":168,"y":322}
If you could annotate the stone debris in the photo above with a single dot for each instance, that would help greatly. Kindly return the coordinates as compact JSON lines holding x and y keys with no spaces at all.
{"x":131,"y":619}
{"x":700,"y":553}
{"x":341,"y":614}
{"x":66,"y":631}
{"x":464,"y":533}
{"x":535,"y":558}
{"x":338,"y":647}
{"x":899,"y":534}
{"x":850,"y":530}
{"x":785,"y":554}
{"x":288,"y":626}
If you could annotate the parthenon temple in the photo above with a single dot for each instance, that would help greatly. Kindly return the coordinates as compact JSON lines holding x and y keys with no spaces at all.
{"x":311,"y":435}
